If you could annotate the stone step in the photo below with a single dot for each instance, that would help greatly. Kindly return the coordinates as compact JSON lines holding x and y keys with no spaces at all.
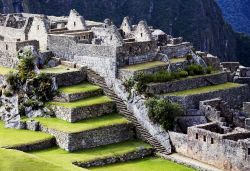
{"x":174,"y":64}
{"x":99,"y":156}
{"x":187,"y":83}
{"x":77,"y":92}
{"x":83,"y":109}
{"x":90,"y":133}
{"x":147,"y":68}
{"x":233,"y":93}
{"x":66,"y":76}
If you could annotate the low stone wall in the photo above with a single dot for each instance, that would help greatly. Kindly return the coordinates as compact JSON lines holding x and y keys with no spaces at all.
{"x":92,"y":138}
{"x":179,"y":142}
{"x":125,"y":74}
{"x":138,"y":154}
{"x":70,"y":78}
{"x":35,"y":146}
{"x":178,"y":50}
{"x":80,"y":113}
{"x":186,"y":84}
{"x":234,"y":96}
{"x":77,"y":96}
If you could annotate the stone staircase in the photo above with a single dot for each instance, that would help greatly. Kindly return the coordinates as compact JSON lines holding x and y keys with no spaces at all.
{"x":142,"y":133}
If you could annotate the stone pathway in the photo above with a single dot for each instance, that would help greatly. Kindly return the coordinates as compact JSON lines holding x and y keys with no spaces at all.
{"x":178,"y":158}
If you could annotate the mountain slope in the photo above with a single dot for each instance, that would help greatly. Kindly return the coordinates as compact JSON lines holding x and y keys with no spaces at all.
{"x":198,"y":21}
{"x":237,"y":13}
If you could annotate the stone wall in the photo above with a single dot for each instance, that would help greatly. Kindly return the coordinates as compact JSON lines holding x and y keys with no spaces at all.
{"x":219,"y":150}
{"x":179,"y":50}
{"x":80,"y":113}
{"x":92,"y":138}
{"x":179,"y":142}
{"x":186,"y":84}
{"x":12,"y":34}
{"x":136,"y":52}
{"x":138,"y":154}
{"x":234,"y":96}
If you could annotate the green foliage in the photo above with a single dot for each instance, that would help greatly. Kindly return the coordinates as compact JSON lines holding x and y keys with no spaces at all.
{"x":195,"y":69}
{"x":7,"y":93}
{"x":26,"y":66}
{"x":163,"y":112}
{"x":13,"y":81}
{"x":42,"y":87}
{"x":189,"y":57}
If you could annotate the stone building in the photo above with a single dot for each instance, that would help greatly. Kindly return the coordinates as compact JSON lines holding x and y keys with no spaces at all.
{"x":210,"y":131}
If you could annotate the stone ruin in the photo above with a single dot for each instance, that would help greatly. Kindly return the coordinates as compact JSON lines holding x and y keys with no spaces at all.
{"x":215,"y":127}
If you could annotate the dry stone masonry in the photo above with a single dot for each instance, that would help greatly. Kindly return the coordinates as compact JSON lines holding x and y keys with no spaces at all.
{"x":215,"y":125}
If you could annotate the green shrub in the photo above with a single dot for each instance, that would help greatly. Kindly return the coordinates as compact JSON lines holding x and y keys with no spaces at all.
{"x":195,"y":69}
{"x":12,"y":80}
{"x":183,"y":74}
{"x":163,"y":112}
{"x":26,"y":67}
{"x":189,"y":57}
{"x":129,"y":84}
{"x":209,"y":69}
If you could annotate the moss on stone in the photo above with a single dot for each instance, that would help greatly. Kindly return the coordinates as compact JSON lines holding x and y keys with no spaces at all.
{"x":83,"y":102}
{"x":5,"y":70}
{"x":79,"y":88}
{"x":146,"y":65}
{"x":58,"y":69}
{"x":147,"y":164}
{"x":64,"y":126}
{"x":14,"y":137}
{"x":59,"y":156}
{"x":206,"y":89}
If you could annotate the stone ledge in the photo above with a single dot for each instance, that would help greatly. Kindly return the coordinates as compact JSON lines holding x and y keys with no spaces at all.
{"x":188,"y":83}
{"x":140,"y":153}
{"x":234,"y":96}
{"x":85,"y":112}
{"x":40,"y":145}
{"x":92,"y":138}
{"x":64,"y":97}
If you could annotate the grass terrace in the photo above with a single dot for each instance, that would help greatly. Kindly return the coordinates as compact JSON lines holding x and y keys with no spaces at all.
{"x":58,"y":69}
{"x":83,"y":102}
{"x":5,"y":70}
{"x":14,"y":137}
{"x":147,"y":164}
{"x":79,"y":88}
{"x":177,"y":60}
{"x":59,"y":156}
{"x":147,"y":65}
{"x":205,"y":89}
{"x":12,"y":160}
{"x":89,"y":124}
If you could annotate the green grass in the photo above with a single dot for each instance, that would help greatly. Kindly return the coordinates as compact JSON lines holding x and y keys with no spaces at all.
{"x":58,"y":69}
{"x":5,"y":70}
{"x":205,"y":89}
{"x":12,"y":160}
{"x":79,"y":88}
{"x":146,"y":65}
{"x":83,"y":102}
{"x":64,"y":126}
{"x":177,"y":60}
{"x":61,"y":157}
{"x":13,"y":137}
{"x":147,"y":164}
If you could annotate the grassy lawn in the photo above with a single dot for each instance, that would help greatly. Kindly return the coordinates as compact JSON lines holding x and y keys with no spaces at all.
{"x":5,"y":70}
{"x":13,"y":137}
{"x":146,"y":65}
{"x":61,"y":157}
{"x":147,"y":164}
{"x":83,"y":102}
{"x":205,"y":89}
{"x":89,"y":124}
{"x":58,"y":69}
{"x":177,"y":60}
{"x":12,"y":160}
{"x":79,"y":88}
